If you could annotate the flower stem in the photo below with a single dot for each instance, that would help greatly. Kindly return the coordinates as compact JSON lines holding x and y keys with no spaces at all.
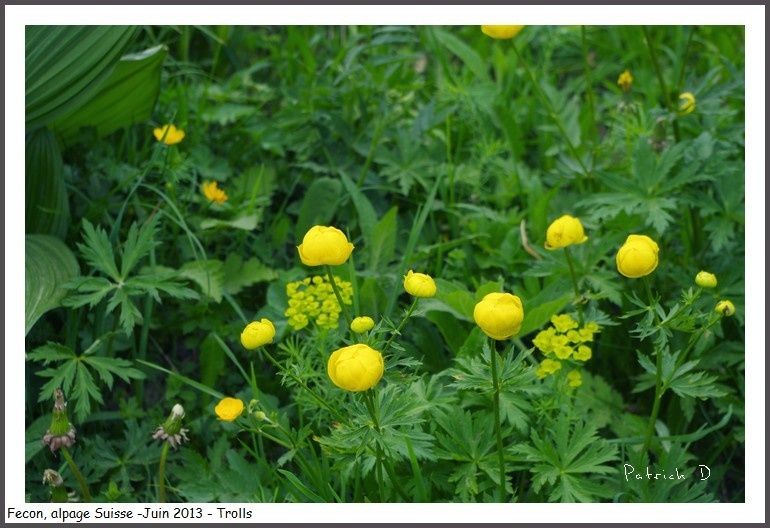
{"x":343,"y":308}
{"x":162,"y":473}
{"x":496,"y":412}
{"x":377,"y":468}
{"x":400,"y":325}
{"x":658,"y":378}
{"x":661,"y":80}
{"x":589,"y":86}
{"x":574,"y":284}
{"x":78,"y":475}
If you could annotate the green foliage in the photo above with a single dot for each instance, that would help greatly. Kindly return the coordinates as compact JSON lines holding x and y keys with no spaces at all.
{"x":45,"y":199}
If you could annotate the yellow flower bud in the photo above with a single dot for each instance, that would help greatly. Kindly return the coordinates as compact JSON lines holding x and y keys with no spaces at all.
{"x":501,"y":32}
{"x":355,"y":368}
{"x":686,"y":103}
{"x":419,"y":284}
{"x":228,"y":409}
{"x":499,"y":315}
{"x":362,"y":324}
{"x":625,"y":80}
{"x":324,"y":245}
{"x":257,"y":333}
{"x":637,"y":257}
{"x":168,"y":134}
{"x":704,"y":279}
{"x":725,"y":308}
{"x":563,"y":232}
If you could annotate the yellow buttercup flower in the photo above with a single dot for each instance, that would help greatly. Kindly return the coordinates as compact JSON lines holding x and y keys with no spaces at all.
{"x":625,"y":80}
{"x":583,"y":353}
{"x":564,"y":231}
{"x":725,"y":308}
{"x":356,"y":367}
{"x":637,"y":257}
{"x":499,"y":315}
{"x":213,"y":193}
{"x":548,"y":366}
{"x":501,"y":32}
{"x":686,"y":103}
{"x":168,"y":134}
{"x":563,"y":322}
{"x":257,"y":333}
{"x":228,"y":409}
{"x":419,"y":284}
{"x":362,"y":324}
{"x":574,"y":379}
{"x":704,"y":279}
{"x":324,"y":245}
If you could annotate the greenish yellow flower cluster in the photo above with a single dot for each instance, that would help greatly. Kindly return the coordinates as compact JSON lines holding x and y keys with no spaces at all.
{"x":313,"y":299}
{"x":564,"y":340}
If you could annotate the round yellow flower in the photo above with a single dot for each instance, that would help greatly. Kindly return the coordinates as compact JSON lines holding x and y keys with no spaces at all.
{"x":499,"y":315}
{"x":213,"y":193}
{"x":356,"y":367}
{"x":686,"y":103}
{"x":362,"y":324}
{"x":323,"y":245}
{"x":563,"y":232}
{"x":574,"y":379}
{"x":168,"y":134}
{"x":228,"y":409}
{"x":257,"y":333}
{"x":419,"y":284}
{"x":725,"y":308}
{"x":704,"y":279}
{"x":625,"y":80}
{"x":501,"y":32}
{"x":637,"y":257}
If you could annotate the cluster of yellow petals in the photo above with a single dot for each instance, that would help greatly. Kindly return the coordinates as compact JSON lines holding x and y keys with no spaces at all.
{"x":229,"y":409}
{"x":564,"y":340}
{"x":313,"y":299}
{"x":213,"y":193}
{"x":356,"y":367}
{"x":168,"y":134}
{"x":625,"y":80}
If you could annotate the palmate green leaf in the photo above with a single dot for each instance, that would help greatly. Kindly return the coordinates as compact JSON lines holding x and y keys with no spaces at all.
{"x":86,"y":290}
{"x":208,"y":275}
{"x":138,"y":244}
{"x":48,"y":265}
{"x":159,"y":281}
{"x":97,"y":250}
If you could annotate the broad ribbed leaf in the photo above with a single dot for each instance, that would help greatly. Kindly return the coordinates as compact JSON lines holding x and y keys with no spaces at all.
{"x":48,"y":264}
{"x":46,"y":205}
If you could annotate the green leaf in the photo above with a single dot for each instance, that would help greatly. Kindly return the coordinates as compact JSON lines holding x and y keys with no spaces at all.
{"x":97,"y":250}
{"x":46,"y":206}
{"x":382,"y":245}
{"x":367,"y":217}
{"x":48,"y":264}
{"x":247,"y":222}
{"x":66,"y":65}
{"x":126,"y":97}
{"x":318,"y":206}
{"x":139,"y":243}
{"x":238,"y":275}
{"x":208,"y":274}
{"x":467,"y":54}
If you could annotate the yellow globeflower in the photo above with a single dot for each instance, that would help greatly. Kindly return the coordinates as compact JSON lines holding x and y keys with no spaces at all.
{"x":564,"y":231}
{"x":686,"y":103}
{"x":362,"y":324}
{"x":419,"y":284}
{"x":355,"y":368}
{"x":257,"y":333}
{"x":499,"y":315}
{"x":704,"y":279}
{"x":323,"y":245}
{"x":213,"y":193}
{"x":637,"y":257}
{"x":501,"y":32}
{"x":725,"y":308}
{"x":625,"y":80}
{"x":228,"y":409}
{"x":168,"y":134}
{"x":574,"y":379}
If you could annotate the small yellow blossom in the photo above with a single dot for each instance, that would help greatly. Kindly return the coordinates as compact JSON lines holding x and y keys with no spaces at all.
{"x":574,"y":379}
{"x":547,"y":366}
{"x":563,"y":351}
{"x":213,"y":193}
{"x":583,"y":353}
{"x":499,"y":315}
{"x":313,"y":299}
{"x":324,"y":245}
{"x":563,"y":322}
{"x":584,"y":335}
{"x":625,"y":80}
{"x":726,"y":308}
{"x":704,"y":279}
{"x":544,"y":340}
{"x":356,"y":367}
{"x":257,"y":333}
{"x":591,"y":327}
{"x":637,"y":257}
{"x":573,"y":336}
{"x":686,"y":103}
{"x":501,"y":32}
{"x":228,"y":409}
{"x":419,"y":284}
{"x":564,"y":231}
{"x":359,"y":325}
{"x":168,"y":134}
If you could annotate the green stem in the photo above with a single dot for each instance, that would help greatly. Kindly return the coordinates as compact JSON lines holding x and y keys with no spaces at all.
{"x":496,"y":412}
{"x":400,"y":325}
{"x":162,"y":473}
{"x":343,"y":307}
{"x":589,"y":86}
{"x":658,"y":377}
{"x":78,"y":475}
{"x":578,"y":302}
{"x":378,"y":465}
{"x":661,"y":80}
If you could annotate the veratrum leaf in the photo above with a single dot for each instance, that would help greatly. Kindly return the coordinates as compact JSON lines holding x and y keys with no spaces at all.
{"x":46,"y":207}
{"x":66,"y":65}
{"x":126,"y":97}
{"x":48,"y":264}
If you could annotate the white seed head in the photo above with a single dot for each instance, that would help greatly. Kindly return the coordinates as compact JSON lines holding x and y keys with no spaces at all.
{"x":177,"y":411}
